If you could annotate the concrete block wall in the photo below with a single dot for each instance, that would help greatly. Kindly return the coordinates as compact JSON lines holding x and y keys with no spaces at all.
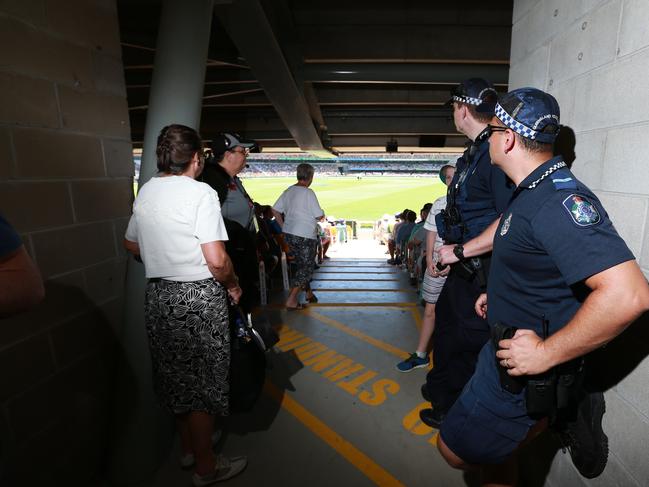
{"x":66,"y":185}
{"x":593,"y":55}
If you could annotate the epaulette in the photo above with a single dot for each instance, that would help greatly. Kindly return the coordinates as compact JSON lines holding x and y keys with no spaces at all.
{"x":562,"y":179}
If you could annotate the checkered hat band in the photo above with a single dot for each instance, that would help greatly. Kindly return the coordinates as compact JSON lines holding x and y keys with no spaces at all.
{"x":467,"y":99}
{"x":517,"y":127}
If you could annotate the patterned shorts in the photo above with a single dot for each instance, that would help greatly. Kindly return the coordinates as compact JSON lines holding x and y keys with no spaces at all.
{"x":431,"y":287}
{"x":189,"y":339}
{"x":303,"y":250}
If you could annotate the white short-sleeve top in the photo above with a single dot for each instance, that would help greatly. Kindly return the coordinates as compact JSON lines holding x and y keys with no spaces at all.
{"x":301,"y":211}
{"x":438,"y":205}
{"x":172,"y":217}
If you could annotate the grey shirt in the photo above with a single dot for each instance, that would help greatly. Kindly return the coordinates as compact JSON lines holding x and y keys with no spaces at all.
{"x":238,"y":205}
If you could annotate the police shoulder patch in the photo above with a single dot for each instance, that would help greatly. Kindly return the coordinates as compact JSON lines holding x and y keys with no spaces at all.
{"x":582,"y":211}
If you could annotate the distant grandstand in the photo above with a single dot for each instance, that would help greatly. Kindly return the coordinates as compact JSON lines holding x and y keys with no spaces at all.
{"x":395,"y":164}
{"x":276,"y":164}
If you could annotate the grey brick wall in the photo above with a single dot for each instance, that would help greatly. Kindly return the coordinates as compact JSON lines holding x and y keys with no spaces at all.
{"x":66,"y":185}
{"x":593,"y":55}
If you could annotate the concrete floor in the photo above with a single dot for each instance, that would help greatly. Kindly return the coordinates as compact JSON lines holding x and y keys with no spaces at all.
{"x":352,"y":421}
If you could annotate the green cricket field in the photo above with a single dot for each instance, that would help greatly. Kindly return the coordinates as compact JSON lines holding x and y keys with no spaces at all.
{"x":365,"y":199}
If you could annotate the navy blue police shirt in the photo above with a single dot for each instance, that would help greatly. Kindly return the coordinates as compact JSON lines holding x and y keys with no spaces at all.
{"x":487,"y":189}
{"x":550,"y":239}
{"x":9,"y":239}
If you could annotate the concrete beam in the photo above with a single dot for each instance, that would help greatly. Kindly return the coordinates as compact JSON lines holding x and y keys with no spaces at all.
{"x":265,"y":58}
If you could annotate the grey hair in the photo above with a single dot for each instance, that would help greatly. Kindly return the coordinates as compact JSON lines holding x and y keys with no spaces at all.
{"x":305,"y":172}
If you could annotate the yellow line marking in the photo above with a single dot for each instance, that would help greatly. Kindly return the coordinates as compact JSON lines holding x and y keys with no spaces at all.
{"x":349,"y":452}
{"x":358,"y":334}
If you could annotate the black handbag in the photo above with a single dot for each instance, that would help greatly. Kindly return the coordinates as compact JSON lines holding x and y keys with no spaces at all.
{"x":258,"y":331}
{"x":248,"y":345}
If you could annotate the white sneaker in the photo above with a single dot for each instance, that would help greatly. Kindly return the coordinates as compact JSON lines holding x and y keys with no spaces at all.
{"x":187,"y":461}
{"x":225,"y":469}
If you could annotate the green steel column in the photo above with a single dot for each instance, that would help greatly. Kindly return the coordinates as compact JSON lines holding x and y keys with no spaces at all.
{"x":142,"y":432}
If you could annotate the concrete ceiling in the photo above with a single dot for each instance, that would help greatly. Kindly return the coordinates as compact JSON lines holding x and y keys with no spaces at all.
{"x":322,"y":74}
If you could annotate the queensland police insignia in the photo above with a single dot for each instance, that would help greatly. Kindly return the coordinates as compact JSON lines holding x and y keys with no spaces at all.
{"x":505,"y":228}
{"x":582,"y":211}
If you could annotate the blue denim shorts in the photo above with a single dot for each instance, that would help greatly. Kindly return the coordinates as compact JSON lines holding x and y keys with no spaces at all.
{"x":486,"y":424}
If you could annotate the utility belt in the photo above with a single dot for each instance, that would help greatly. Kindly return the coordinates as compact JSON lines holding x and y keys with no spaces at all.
{"x":548,"y":394}
{"x":473,"y":268}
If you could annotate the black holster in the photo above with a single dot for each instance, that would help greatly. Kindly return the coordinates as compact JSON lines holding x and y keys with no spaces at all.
{"x":550,"y":394}
{"x":453,"y":228}
{"x":473,"y":268}
{"x":513,"y":385}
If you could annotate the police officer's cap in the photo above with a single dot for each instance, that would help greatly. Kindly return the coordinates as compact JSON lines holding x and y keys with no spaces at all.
{"x":531,"y":113}
{"x":477,"y":92}
{"x":228,"y":141}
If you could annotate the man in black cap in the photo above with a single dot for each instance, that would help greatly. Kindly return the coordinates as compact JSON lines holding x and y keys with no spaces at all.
{"x":562,"y":284}
{"x":476,"y":198}
{"x":228,"y":159}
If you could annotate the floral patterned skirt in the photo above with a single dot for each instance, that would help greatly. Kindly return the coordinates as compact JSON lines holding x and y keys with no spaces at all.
{"x":189,"y":339}
{"x":303,"y":250}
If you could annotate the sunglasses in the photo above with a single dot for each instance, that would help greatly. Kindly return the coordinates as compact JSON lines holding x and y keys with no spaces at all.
{"x":495,"y":128}
{"x":241,"y":150}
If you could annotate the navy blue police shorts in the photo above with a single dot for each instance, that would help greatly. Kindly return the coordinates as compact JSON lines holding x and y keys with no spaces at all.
{"x":486,"y":424}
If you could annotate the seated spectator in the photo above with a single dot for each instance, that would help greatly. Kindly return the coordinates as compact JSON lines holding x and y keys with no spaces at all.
{"x":324,"y":232}
{"x":392,"y":246}
{"x":415,"y":241}
{"x":276,"y":230}
{"x":267,"y":248}
{"x":403,"y":233}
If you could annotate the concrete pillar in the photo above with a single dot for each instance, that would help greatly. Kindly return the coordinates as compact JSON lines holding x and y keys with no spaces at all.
{"x":143,"y":431}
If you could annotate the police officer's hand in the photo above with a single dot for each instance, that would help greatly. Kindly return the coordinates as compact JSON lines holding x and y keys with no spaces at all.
{"x":524,"y":354}
{"x":481,"y":306}
{"x":446,"y":255}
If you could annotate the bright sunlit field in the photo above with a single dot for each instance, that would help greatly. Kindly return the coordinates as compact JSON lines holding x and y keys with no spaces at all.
{"x":364,"y":199}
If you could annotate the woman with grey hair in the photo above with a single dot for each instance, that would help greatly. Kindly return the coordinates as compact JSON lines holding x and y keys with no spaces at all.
{"x":301,"y":211}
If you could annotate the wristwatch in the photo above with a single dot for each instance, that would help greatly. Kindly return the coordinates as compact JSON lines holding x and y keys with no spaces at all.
{"x":458,"y":250}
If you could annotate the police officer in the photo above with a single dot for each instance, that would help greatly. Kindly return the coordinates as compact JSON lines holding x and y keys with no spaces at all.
{"x":562,"y":283}
{"x":477,"y":196}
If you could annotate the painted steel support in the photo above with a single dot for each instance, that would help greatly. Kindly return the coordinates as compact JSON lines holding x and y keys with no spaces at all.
{"x":142,"y":431}
{"x":250,"y":30}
